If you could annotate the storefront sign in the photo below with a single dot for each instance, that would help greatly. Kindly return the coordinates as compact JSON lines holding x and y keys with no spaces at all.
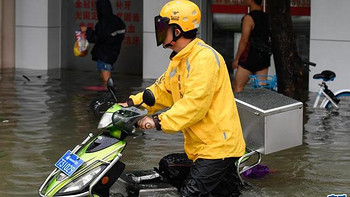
{"x":86,"y":14}
{"x":298,"y":7}
{"x":83,"y":12}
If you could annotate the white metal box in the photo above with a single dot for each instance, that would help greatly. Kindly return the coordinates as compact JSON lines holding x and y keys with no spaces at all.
{"x":270,"y":121}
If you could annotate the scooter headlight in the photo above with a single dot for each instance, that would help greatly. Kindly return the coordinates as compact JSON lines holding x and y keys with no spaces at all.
{"x":106,"y":121}
{"x":82,"y":182}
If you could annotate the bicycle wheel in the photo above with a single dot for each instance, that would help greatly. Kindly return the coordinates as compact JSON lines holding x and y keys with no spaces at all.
{"x":344,"y":102}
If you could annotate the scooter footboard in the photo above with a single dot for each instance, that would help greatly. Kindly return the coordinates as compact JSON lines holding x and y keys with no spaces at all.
{"x":104,"y":184}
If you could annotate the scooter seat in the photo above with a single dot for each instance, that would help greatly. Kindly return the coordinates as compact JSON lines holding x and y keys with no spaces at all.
{"x":326,"y":75}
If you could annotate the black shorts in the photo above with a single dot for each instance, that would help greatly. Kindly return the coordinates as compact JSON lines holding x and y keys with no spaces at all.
{"x":212,"y":176}
{"x":253,"y":60}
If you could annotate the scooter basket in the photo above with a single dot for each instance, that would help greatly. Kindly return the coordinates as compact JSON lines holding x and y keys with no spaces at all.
{"x":263,"y":81}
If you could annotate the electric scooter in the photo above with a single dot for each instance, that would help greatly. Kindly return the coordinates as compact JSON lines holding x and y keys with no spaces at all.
{"x":93,"y":166}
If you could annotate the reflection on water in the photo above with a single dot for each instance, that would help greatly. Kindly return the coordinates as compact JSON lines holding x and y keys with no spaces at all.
{"x":44,"y":114}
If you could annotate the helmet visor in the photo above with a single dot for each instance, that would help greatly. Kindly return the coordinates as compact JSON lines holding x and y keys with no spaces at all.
{"x":161,"y":25}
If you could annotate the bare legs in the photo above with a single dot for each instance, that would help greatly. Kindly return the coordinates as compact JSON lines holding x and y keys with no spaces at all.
{"x":242,"y":77}
{"x":105,"y":75}
{"x":262,"y":72}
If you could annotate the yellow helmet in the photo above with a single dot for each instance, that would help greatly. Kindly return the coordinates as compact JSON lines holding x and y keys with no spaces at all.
{"x":184,"y":13}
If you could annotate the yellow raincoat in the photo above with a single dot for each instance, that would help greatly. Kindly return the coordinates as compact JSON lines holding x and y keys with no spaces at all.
{"x":197,"y":89}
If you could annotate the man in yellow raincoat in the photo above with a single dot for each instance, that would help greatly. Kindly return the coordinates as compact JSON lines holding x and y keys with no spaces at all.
{"x":197,"y":90}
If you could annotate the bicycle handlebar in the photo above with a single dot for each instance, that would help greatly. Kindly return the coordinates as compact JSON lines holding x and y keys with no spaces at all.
{"x":307,"y":63}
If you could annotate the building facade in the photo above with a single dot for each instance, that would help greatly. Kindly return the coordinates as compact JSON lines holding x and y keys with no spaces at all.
{"x":39,"y":34}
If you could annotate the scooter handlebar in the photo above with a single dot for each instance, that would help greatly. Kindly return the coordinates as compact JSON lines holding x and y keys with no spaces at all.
{"x":307,"y":63}
{"x":125,"y":118}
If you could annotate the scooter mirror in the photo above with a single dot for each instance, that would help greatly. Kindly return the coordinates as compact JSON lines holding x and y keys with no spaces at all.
{"x":110,"y":86}
{"x":110,"y":83}
{"x":148,"y":97}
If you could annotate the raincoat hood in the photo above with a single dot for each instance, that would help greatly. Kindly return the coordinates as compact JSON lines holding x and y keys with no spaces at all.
{"x":104,"y":9}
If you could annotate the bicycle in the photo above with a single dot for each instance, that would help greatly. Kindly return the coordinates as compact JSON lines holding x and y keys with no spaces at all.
{"x":339,"y":99}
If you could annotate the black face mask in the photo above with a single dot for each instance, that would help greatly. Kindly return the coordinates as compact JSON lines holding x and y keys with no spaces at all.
{"x":161,"y":26}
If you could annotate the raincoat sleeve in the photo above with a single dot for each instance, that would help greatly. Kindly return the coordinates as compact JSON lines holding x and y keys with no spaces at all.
{"x":199,"y":92}
{"x":98,"y":35}
{"x":161,"y":94}
{"x":90,"y":35}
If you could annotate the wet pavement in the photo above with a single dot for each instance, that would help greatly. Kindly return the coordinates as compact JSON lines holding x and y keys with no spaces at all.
{"x":42,"y":115}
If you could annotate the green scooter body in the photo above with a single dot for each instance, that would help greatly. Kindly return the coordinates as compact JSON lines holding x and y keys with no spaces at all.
{"x":100,"y":153}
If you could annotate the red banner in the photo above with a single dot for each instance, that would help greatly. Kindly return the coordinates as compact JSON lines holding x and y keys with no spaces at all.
{"x":86,"y":14}
{"x":298,"y":7}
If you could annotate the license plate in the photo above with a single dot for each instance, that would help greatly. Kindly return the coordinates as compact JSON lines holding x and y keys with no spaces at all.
{"x":69,"y":163}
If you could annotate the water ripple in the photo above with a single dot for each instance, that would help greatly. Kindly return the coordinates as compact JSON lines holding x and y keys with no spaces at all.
{"x":44,"y":114}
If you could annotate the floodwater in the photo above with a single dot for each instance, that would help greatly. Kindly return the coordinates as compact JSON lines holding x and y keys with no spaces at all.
{"x":42,"y":115}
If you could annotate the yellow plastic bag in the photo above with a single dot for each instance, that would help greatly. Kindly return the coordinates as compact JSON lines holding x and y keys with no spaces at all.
{"x":81,"y":45}
{"x":77,"y":51}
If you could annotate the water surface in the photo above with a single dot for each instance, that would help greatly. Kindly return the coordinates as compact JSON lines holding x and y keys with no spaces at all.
{"x":42,"y":115}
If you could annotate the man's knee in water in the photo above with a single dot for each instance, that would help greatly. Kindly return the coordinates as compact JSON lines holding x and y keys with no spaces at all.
{"x":190,"y":188}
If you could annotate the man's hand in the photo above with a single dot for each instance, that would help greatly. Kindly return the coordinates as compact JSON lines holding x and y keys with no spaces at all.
{"x":235,"y":64}
{"x":123,"y":104}
{"x":83,"y":28}
{"x":146,"y":123}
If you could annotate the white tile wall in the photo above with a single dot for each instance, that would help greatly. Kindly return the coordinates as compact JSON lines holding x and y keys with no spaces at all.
{"x":31,"y":48}
{"x":37,"y":34}
{"x":330,"y":41}
{"x":330,"y":19}
{"x":32,"y":13}
{"x":330,"y":55}
{"x":155,"y":59}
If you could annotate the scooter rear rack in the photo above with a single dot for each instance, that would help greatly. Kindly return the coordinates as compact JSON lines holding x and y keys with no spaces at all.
{"x":241,"y":168}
